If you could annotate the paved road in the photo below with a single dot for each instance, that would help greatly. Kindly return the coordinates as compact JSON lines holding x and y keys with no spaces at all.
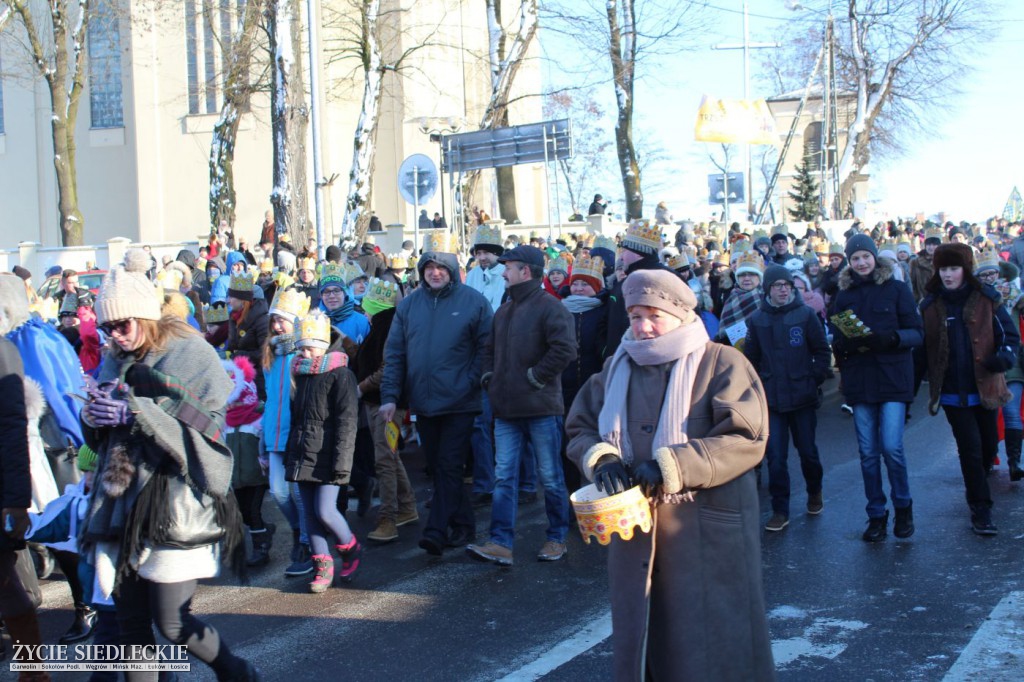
{"x":944,"y":604}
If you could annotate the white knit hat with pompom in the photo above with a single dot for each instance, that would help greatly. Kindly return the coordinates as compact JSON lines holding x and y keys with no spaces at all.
{"x":127,"y":292}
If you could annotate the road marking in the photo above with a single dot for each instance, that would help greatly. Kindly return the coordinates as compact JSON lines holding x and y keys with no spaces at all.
{"x":994,"y":653}
{"x":593,"y":634}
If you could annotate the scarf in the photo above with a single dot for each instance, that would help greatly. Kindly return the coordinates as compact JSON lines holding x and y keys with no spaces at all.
{"x":684,"y":347}
{"x":740,"y":306}
{"x":580,"y":304}
{"x":322,"y":365}
{"x":342,"y":312}
{"x":283,"y":344}
{"x":372,"y":306}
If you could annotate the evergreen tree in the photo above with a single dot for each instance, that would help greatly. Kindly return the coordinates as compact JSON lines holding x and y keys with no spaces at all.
{"x":804,"y":194}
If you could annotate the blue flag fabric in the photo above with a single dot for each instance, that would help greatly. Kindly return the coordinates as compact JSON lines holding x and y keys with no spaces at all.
{"x":51,"y":361}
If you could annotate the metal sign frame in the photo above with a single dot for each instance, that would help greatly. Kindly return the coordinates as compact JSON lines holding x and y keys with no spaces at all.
{"x":512,"y":146}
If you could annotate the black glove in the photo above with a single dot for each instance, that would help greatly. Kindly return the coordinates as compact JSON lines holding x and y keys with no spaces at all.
{"x":647,"y":475}
{"x":997,"y":363}
{"x":882,"y":341}
{"x":610,"y":475}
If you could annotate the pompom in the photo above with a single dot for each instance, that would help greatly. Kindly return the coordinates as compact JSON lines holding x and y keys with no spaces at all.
{"x":245,"y":364}
{"x":136,"y":260}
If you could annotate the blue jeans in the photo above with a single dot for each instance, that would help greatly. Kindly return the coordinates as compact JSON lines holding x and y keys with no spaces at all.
{"x":545,"y":434}
{"x":801,"y":423}
{"x":287,"y":496}
{"x":879,"y":429}
{"x":1011,"y":411}
{"x":483,"y":455}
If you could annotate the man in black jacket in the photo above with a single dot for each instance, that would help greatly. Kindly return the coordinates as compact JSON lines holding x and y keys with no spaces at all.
{"x":786,"y":344}
{"x":533,"y":341}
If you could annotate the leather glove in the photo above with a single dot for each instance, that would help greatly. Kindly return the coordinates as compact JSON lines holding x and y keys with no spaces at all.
{"x":997,"y":363}
{"x":103,"y":411}
{"x":610,"y":475}
{"x":882,"y":341}
{"x":647,"y":475}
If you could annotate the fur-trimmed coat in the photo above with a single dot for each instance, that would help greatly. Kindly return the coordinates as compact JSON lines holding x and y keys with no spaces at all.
{"x":921,"y":271}
{"x":960,"y":333}
{"x":884,"y":305}
{"x":687,"y":599}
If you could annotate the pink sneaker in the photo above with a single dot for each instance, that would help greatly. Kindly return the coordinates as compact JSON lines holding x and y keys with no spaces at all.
{"x":324,"y":575}
{"x":349,"y":558}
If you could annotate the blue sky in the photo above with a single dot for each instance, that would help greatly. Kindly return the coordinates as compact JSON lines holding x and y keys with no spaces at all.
{"x":966,"y":167}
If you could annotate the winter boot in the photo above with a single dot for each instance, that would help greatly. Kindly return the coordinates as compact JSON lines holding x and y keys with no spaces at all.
{"x":1013,"y":447}
{"x":303,"y":563}
{"x":349,"y":558}
{"x":324,"y":576}
{"x":386,"y":531}
{"x":903,"y":526}
{"x":876,"y":530}
{"x":981,"y":521}
{"x":81,"y":628}
{"x":261,"y":541}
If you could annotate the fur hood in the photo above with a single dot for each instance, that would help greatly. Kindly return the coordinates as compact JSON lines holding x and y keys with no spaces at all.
{"x":35,"y":401}
{"x":882,"y":272}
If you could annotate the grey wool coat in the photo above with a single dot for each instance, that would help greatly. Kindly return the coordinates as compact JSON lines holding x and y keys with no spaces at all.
{"x":687,"y":599}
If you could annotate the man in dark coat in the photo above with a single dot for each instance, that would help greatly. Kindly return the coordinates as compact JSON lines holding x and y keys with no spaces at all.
{"x":597,"y":206}
{"x":16,"y":608}
{"x":432,"y":361}
{"x":532,"y":343}
{"x":786,"y":344}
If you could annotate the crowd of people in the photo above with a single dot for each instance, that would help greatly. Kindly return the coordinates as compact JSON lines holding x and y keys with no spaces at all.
{"x":159,"y":411}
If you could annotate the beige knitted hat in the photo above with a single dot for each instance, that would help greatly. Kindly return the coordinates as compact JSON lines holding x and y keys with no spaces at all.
{"x":127,"y":292}
{"x":659,"y":289}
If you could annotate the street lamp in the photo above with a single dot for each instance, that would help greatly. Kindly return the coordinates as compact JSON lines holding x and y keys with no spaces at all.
{"x":436,"y":127}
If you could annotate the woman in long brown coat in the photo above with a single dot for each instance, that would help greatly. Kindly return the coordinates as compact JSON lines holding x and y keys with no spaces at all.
{"x":686,"y":419}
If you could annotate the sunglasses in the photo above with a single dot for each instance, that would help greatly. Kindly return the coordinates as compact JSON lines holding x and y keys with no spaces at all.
{"x":119,"y":327}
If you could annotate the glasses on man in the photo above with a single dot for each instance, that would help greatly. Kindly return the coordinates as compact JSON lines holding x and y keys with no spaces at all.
{"x":331,"y":291}
{"x":119,"y":327}
{"x":989,"y":277}
{"x":781,"y":285}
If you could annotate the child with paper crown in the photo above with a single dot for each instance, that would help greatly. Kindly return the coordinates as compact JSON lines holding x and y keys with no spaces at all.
{"x":320,"y":447}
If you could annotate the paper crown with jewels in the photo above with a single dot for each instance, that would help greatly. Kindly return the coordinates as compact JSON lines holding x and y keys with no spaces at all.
{"x":216,"y":314}
{"x":739,"y":248}
{"x":679,"y":261}
{"x":751,"y":263}
{"x":439,"y":241}
{"x":935,"y":233}
{"x":315,"y":330}
{"x":266,"y":267}
{"x":836,"y":249}
{"x":332,"y":274}
{"x":306,"y":264}
{"x":170,"y":280}
{"x":988,"y":259}
{"x":353,"y":272}
{"x":240,"y":286}
{"x":603,"y":242}
{"x":290,"y":304}
{"x":591,"y":270}
{"x":724,"y":258}
{"x":382,"y":292}
{"x":759,"y":234}
{"x":489,"y":237}
{"x":643,"y":237}
{"x":397,"y":261}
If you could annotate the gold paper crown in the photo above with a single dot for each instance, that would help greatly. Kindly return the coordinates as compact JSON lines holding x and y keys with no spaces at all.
{"x":589,"y":266}
{"x":836,"y":248}
{"x":266,"y":266}
{"x":240,"y":282}
{"x":750,"y":262}
{"x":397,"y":261}
{"x":819,"y":246}
{"x":353,"y":272}
{"x":586,"y":240}
{"x":489,"y":235}
{"x":935,"y":233}
{"x":306,"y":264}
{"x":603,"y":242}
{"x":383,"y":292}
{"x":781,"y":228}
{"x":333,"y":273}
{"x":739,"y":248}
{"x":439,"y":241}
{"x":216,"y":314}
{"x":723,"y":258}
{"x":290,"y":303}
{"x":558,"y":264}
{"x":678,"y":262}
{"x":759,"y":234}
{"x":889,"y":244}
{"x":169,"y":279}
{"x":643,"y":236}
{"x":315,"y":330}
{"x":282,"y":280}
{"x":988,"y":259}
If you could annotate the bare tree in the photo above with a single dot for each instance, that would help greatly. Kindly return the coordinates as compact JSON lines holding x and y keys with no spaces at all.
{"x":592,"y":145}
{"x":55,"y":35}
{"x":238,"y":52}
{"x":289,"y":118}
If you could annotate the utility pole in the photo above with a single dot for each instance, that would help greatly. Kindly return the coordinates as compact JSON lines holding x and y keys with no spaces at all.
{"x":746,"y":46}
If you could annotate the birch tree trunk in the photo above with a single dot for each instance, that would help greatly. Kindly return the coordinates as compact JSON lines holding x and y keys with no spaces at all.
{"x":289,"y":117}
{"x":237,"y":93}
{"x":62,"y":72}
{"x":503,"y":65}
{"x":622,"y":50}
{"x":364,"y":145}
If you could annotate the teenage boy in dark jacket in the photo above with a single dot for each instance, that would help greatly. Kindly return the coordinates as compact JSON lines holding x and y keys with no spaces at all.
{"x":787,"y":345}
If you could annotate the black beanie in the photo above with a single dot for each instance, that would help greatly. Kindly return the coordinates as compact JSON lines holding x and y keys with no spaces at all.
{"x":861,"y":242}
{"x":775,"y":273}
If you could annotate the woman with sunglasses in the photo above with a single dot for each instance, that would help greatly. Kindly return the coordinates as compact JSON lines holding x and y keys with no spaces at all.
{"x":161,"y":517}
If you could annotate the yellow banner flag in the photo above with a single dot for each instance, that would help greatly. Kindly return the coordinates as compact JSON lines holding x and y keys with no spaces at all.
{"x":735,"y":121}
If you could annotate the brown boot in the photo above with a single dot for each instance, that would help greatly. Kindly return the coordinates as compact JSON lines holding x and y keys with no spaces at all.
{"x":24,"y":629}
